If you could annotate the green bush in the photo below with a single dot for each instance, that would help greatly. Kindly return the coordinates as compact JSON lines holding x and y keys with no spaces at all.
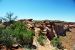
{"x":22,"y":34}
{"x":56,"y":43}
{"x":41,"y":39}
{"x":6,"y":38}
{"x":17,"y":31}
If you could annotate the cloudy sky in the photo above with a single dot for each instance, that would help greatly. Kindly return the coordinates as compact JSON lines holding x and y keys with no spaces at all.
{"x":40,"y":9}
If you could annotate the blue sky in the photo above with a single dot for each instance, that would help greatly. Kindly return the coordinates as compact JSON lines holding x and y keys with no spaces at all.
{"x":63,"y":10}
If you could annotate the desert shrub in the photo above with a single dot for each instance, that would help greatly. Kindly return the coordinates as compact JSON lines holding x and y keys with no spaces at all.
{"x":56,"y":43}
{"x":2,"y":26}
{"x":41,"y":39}
{"x":18,"y":31}
{"x":22,"y":34}
{"x":0,"y":35}
{"x":0,"y":21}
{"x":6,"y":38}
{"x":9,"y":18}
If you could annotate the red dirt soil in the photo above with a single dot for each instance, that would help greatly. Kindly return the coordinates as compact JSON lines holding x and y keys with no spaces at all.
{"x":69,"y":40}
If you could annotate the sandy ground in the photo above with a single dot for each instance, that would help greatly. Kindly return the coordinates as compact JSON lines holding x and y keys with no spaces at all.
{"x":69,"y":40}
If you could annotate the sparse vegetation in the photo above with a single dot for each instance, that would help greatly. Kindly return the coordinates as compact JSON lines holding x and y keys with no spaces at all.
{"x":18,"y":31}
{"x":9,"y":18}
{"x":56,"y":43}
{"x":6,"y":38}
{"x":21,"y":33}
{"x":41,"y":39}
